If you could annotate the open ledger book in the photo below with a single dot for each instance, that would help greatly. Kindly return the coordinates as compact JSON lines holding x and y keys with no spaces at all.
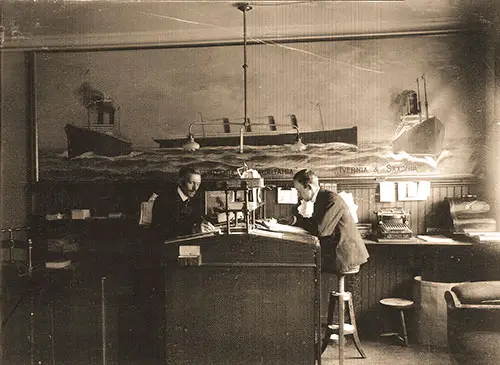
{"x":272,"y":225}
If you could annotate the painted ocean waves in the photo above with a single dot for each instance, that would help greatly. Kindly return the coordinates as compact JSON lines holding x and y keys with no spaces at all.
{"x":328,"y":160}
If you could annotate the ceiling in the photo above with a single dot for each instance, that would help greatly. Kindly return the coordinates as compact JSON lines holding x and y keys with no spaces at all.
{"x":85,"y":24}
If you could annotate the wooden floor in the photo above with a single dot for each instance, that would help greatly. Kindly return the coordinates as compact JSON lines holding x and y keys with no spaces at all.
{"x":388,"y":352}
{"x":384,"y":352}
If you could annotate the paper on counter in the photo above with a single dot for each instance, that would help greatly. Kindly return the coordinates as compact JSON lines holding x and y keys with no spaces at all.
{"x":436,"y":238}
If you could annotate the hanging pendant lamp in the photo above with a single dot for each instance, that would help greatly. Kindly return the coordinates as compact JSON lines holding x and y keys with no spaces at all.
{"x":244,"y":7}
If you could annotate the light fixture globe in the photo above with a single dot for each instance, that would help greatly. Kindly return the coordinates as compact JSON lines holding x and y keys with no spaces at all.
{"x":191,"y":145}
{"x":298,"y":146}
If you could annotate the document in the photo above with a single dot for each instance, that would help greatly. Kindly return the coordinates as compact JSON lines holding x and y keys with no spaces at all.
{"x":387,"y":191}
{"x":287,"y":196}
{"x":435,"y":238}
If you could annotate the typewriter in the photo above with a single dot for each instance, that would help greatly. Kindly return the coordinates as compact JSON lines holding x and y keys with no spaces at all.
{"x":393,"y":224}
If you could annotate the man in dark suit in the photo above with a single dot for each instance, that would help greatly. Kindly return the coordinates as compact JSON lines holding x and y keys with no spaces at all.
{"x":326,"y":215}
{"x":178,"y":211}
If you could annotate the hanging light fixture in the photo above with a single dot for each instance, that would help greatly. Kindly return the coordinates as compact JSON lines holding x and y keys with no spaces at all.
{"x":244,"y":7}
{"x":297,"y":146}
{"x":191,"y":145}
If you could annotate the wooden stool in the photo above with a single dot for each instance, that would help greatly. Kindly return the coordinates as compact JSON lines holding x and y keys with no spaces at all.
{"x":401,"y":305}
{"x":342,"y":329}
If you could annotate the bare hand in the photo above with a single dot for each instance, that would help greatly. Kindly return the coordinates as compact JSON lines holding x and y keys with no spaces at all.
{"x":208,"y":227}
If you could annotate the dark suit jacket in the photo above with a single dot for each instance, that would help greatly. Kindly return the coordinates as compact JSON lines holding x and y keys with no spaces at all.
{"x":172,"y":217}
{"x":342,"y":247}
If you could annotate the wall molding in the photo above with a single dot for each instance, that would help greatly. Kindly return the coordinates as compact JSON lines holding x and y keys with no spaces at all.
{"x":359,"y":182}
{"x":98,"y":43}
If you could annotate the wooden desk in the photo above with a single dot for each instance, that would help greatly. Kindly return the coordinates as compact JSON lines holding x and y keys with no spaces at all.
{"x":249,"y":298}
{"x":419,"y":242}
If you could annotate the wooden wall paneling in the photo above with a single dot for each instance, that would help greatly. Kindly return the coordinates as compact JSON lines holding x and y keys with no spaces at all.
{"x":429,"y":210}
{"x":369,"y":206}
{"x":355,"y":289}
{"x":385,"y":280}
{"x":450,"y":191}
{"x":423,"y":214}
{"x":437,"y":200}
{"x":388,"y":272}
{"x":412,"y":207}
{"x":127,"y":197}
{"x":369,"y":318}
{"x":273,"y":209}
{"x":364,"y":198}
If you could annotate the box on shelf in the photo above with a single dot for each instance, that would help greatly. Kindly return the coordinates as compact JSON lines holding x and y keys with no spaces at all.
{"x":80,"y":213}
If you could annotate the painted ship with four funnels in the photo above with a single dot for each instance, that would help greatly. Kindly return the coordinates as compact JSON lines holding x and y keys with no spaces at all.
{"x":263,"y":131}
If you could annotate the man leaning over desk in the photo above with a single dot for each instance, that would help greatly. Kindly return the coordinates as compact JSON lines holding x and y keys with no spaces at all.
{"x":178,"y":211}
{"x":326,"y":215}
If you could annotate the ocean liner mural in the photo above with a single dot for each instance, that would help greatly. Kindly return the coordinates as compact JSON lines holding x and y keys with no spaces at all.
{"x":100,"y":136}
{"x":360,"y":85}
{"x":415,"y":135}
{"x":272,"y":134}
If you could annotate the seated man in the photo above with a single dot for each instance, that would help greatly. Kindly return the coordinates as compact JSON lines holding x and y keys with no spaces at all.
{"x":178,"y":211}
{"x":325,"y":214}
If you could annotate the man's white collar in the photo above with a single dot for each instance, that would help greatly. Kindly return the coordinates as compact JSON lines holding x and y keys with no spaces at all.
{"x":183,"y":196}
{"x":315,"y":196}
{"x":306,"y":208}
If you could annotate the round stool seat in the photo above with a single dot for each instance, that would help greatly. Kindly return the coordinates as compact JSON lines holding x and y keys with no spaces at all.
{"x":398,"y":303}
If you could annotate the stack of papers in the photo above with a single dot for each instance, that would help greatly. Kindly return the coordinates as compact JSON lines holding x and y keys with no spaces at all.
{"x":57,"y":264}
{"x":485,"y":236}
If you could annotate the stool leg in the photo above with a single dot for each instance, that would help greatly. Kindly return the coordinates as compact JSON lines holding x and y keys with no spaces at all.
{"x":341,"y":328}
{"x":403,"y":324}
{"x":341,"y":319}
{"x":352,"y":317}
{"x":329,"y":321}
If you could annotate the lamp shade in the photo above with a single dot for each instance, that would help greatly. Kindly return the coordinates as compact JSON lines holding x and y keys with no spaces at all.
{"x":191,"y":145}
